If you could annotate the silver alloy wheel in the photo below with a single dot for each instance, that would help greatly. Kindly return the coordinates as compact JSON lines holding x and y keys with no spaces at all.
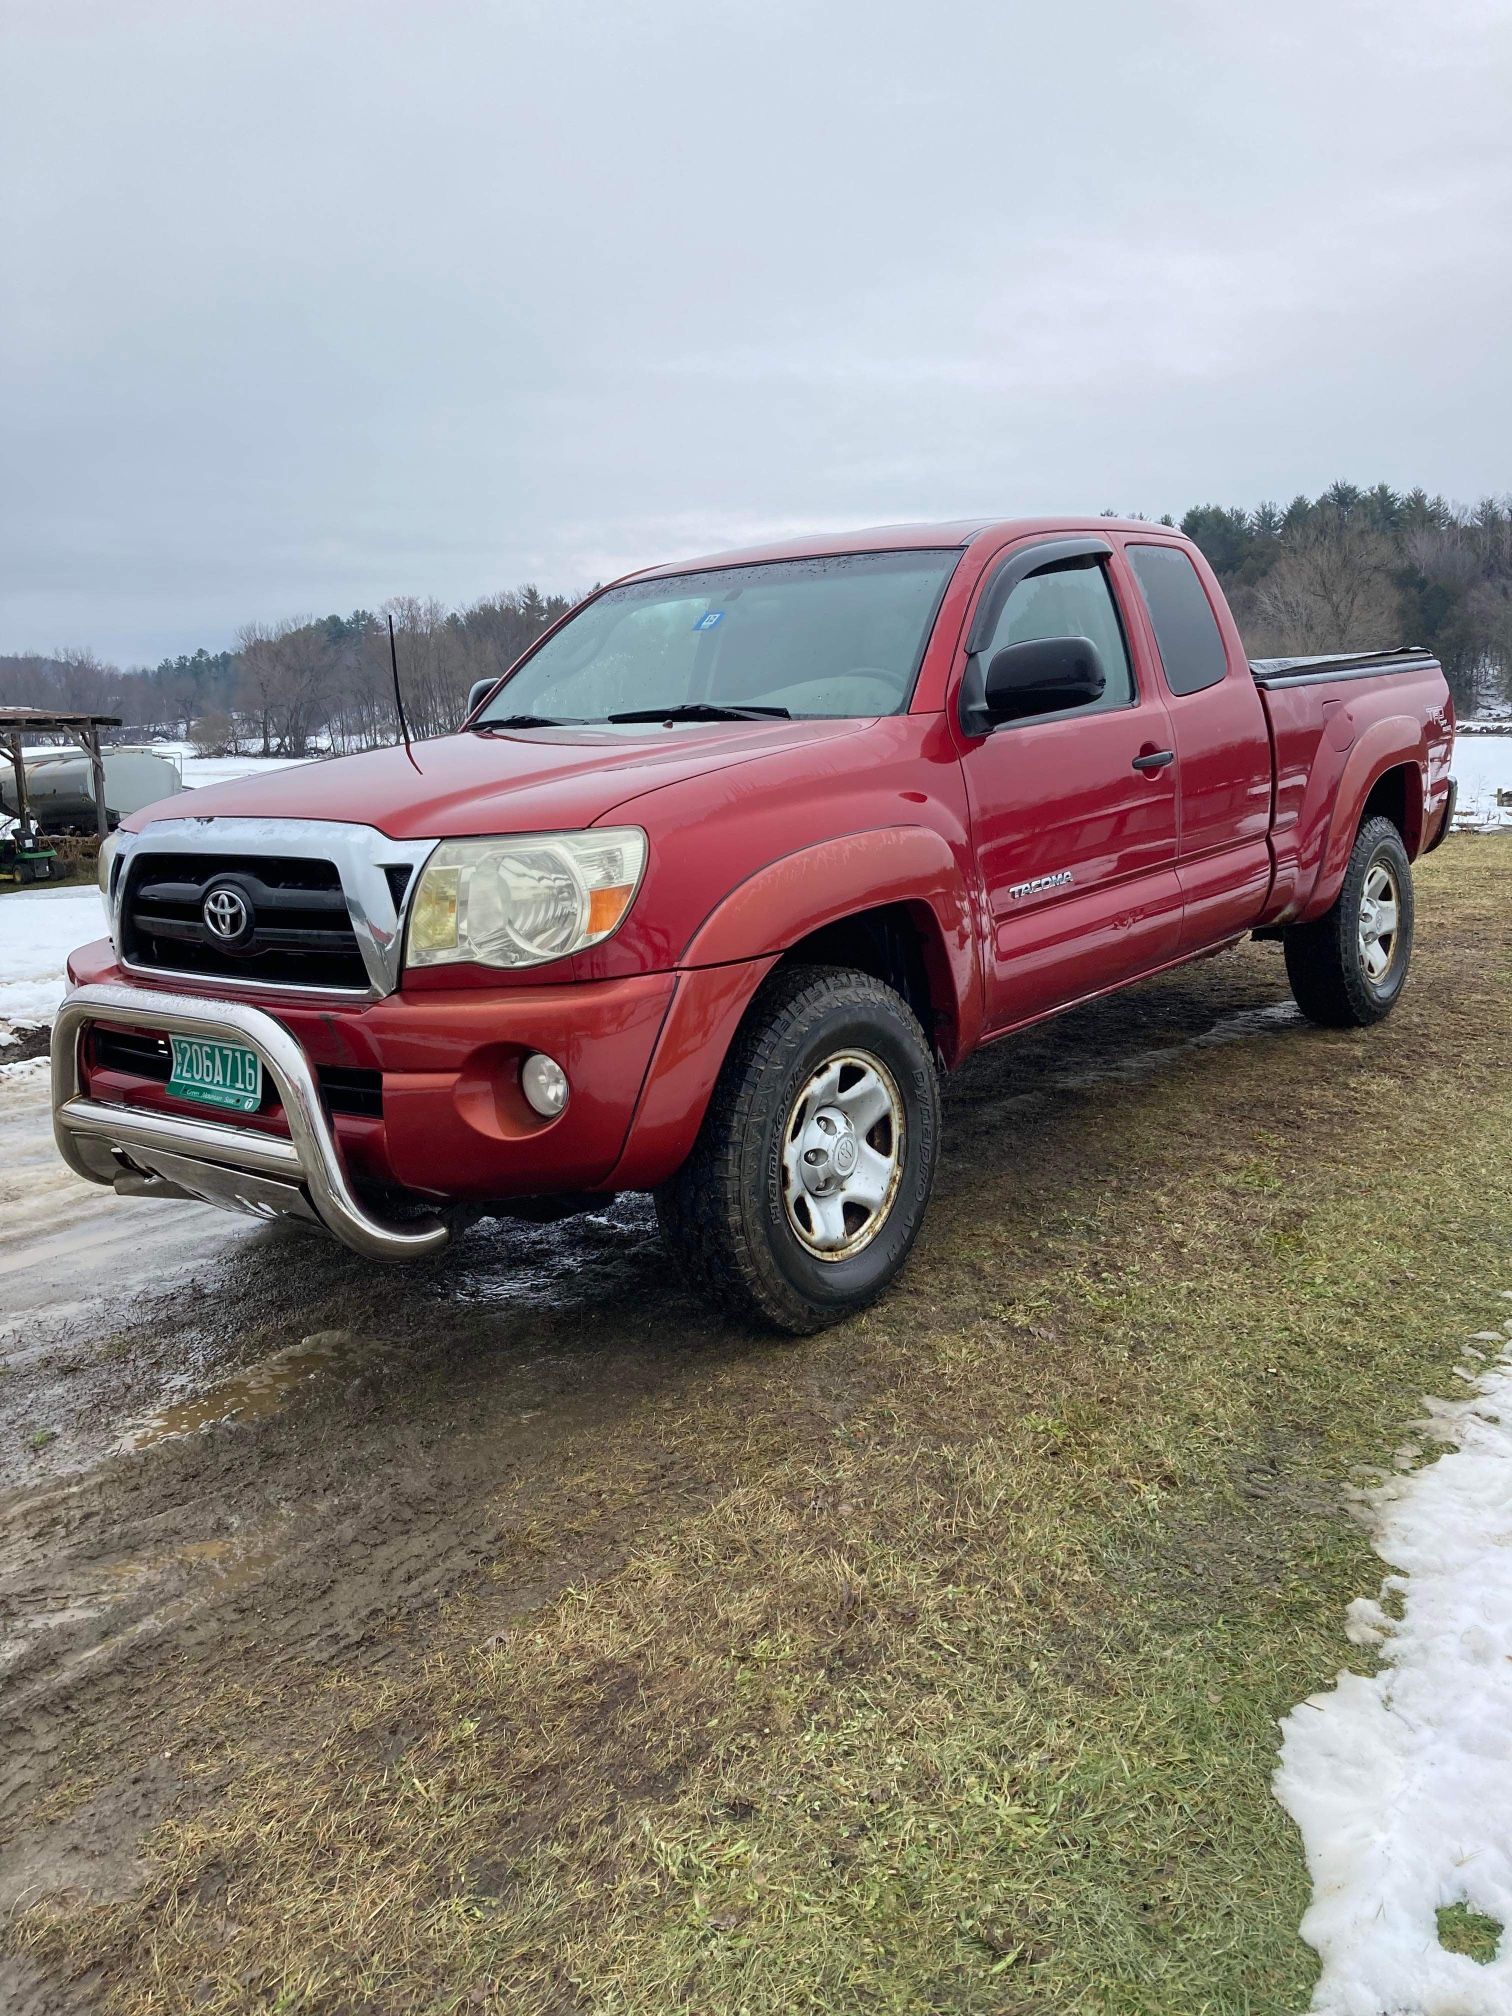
{"x":842,"y":1155}
{"x":1378,"y":921}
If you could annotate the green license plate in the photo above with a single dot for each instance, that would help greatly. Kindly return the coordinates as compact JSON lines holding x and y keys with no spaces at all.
{"x":228,"y":1075}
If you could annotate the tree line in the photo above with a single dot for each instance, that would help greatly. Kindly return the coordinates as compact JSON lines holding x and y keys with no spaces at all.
{"x":309,"y":682}
{"x":1356,"y":570}
{"x":1351,"y":569}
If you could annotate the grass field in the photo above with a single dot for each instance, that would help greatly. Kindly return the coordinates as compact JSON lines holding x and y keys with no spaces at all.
{"x":948,"y":1679}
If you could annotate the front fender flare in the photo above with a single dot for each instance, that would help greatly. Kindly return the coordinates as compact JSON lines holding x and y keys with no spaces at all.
{"x":734,"y":948}
{"x":787,"y":899}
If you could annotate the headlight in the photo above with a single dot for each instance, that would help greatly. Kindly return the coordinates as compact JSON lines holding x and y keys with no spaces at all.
{"x":521,"y":900}
{"x":107,"y":854}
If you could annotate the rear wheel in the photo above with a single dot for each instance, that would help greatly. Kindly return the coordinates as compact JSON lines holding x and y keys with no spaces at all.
{"x":1347,"y":967}
{"x":808,"y":1183}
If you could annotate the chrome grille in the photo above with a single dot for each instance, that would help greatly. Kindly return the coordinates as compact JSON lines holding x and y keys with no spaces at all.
{"x":298,"y":931}
{"x":311,"y":904}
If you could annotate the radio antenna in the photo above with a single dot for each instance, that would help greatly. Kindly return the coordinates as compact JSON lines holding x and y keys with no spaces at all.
{"x":398,"y":695}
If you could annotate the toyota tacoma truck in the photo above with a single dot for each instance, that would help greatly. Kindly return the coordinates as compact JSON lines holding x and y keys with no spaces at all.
{"x":718,"y":879}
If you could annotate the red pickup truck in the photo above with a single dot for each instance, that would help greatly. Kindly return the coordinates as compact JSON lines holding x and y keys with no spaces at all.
{"x":720,"y":876}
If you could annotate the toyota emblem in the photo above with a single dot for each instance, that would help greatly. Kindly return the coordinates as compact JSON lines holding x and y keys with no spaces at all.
{"x":226,"y":914}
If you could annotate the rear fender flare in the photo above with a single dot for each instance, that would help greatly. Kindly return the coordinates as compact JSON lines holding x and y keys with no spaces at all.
{"x":1395,"y":743}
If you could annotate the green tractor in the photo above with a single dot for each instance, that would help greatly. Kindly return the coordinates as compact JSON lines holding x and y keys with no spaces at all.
{"x":26,"y":856}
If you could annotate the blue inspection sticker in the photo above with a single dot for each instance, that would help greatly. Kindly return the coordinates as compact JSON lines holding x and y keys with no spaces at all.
{"x":709,"y":621}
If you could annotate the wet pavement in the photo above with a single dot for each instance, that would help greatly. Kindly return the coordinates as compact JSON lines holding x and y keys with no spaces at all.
{"x":65,"y":1244}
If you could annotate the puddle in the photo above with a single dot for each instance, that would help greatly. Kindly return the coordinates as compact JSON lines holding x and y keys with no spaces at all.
{"x":251,"y":1395}
{"x":233,"y":1563}
{"x":553,"y":1266}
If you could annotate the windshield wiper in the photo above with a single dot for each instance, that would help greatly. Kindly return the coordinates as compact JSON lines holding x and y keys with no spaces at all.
{"x":528,"y":721}
{"x":704,"y":710}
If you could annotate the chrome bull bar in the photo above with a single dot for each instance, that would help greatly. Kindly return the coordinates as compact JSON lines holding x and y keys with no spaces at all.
{"x":146,"y":1153}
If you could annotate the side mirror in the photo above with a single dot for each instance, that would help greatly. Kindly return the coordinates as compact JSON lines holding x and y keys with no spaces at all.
{"x":477,"y":693}
{"x":1043,"y":675}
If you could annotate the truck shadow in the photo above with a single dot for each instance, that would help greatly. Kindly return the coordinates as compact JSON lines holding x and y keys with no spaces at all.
{"x":280,"y":1315}
{"x":287,"y":1456}
{"x":602,"y":1283}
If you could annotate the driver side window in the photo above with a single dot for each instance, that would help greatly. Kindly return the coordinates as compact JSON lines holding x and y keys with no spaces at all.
{"x":1070,"y":602}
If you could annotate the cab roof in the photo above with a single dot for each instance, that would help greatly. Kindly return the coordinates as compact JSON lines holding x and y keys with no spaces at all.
{"x":895,"y":539}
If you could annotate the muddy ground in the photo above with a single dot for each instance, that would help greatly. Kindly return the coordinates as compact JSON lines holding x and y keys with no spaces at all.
{"x":228,"y":1450}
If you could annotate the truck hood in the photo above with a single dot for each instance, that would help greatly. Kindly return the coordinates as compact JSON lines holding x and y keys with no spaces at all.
{"x":527,"y":780}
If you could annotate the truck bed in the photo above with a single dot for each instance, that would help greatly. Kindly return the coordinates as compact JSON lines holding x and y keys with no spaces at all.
{"x":1339,"y":665}
{"x":1333,"y":721}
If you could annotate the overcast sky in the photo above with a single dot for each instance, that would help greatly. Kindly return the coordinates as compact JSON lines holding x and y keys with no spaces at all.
{"x":306,"y":305}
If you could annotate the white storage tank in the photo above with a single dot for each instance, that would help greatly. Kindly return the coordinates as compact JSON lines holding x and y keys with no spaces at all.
{"x":60,"y":785}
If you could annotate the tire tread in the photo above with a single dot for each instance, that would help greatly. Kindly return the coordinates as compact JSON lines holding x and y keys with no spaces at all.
{"x":1321,"y":957}
{"x":701,"y":1208}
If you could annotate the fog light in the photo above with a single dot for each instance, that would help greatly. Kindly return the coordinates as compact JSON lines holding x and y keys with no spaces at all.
{"x":544,"y":1084}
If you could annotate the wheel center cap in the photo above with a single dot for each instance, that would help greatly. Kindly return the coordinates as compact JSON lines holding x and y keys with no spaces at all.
{"x":830,"y":1152}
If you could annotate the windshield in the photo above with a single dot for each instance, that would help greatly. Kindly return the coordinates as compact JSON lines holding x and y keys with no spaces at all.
{"x":842,"y":635}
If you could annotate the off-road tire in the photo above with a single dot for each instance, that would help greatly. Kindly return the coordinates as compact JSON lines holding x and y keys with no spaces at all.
{"x":723,"y":1214}
{"x":1323,"y":959}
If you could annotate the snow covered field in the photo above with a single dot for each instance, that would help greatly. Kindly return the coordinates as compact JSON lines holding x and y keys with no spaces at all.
{"x":1482,"y":766}
{"x":199,"y":770}
{"x":40,"y":927}
{"x":1401,"y":1782}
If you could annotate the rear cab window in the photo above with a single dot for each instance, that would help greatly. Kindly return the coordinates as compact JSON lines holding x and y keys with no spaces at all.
{"x":1191,"y":645}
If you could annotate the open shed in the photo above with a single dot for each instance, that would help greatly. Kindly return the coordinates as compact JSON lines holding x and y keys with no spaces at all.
{"x":81,"y":728}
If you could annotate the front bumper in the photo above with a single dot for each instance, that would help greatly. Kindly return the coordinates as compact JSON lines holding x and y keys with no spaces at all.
{"x":453,"y":1126}
{"x":149,"y":1153}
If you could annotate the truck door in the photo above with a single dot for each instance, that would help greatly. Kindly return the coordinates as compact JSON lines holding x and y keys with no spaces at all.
{"x":1073,"y":813}
{"x":1223,"y":755}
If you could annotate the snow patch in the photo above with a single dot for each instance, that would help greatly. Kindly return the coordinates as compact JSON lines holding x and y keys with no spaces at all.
{"x":1482,"y":767}
{"x":31,"y":1069}
{"x":38,"y":930}
{"x":1401,"y":1781}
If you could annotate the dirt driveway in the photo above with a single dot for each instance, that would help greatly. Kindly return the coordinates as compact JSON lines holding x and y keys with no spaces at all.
{"x":247,"y":1481}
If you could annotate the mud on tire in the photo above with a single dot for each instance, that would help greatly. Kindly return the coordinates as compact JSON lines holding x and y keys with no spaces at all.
{"x":821,"y":1051}
{"x":1330,"y":962}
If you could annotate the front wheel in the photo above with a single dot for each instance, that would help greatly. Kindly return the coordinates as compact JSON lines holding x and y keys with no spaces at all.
{"x":808,"y":1183}
{"x":1347,"y":967}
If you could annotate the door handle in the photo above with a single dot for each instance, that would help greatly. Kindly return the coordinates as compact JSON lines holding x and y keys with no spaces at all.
{"x":1155,"y":759}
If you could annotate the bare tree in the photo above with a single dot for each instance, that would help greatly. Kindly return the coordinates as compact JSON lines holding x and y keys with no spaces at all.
{"x":1332,"y":588}
{"x":258,"y":687}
